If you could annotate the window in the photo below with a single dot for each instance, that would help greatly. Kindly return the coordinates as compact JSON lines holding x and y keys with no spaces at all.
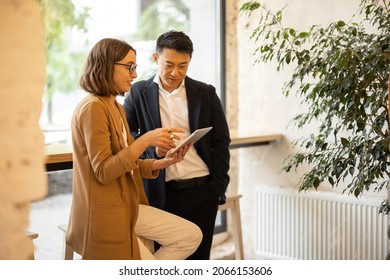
{"x":139,"y":22}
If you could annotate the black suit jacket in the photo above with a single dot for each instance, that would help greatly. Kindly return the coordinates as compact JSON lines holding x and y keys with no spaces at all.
{"x":204,"y":109}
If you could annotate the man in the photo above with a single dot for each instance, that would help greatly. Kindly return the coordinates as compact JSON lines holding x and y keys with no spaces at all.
{"x":195,"y":187}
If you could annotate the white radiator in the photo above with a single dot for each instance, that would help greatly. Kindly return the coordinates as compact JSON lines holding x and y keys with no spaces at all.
{"x":318,"y":226}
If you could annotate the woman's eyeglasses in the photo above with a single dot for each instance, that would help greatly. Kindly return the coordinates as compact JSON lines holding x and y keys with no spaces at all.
{"x":132,"y":66}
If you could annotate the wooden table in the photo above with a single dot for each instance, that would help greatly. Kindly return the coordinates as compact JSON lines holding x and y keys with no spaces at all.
{"x":59,"y":157}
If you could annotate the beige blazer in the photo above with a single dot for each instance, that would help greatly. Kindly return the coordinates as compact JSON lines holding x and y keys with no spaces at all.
{"x":107,"y":183}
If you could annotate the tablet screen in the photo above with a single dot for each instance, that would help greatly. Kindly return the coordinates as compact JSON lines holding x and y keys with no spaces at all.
{"x":193,"y":137}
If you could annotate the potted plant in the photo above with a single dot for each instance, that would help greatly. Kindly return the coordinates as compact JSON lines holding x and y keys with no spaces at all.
{"x":341,"y":71}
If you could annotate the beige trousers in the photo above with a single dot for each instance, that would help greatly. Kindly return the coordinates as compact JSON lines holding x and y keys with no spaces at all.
{"x":178,"y":237}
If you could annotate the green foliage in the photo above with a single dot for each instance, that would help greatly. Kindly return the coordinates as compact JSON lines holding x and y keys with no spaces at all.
{"x":62,"y":64}
{"x":169,"y":14}
{"x":341,"y":73}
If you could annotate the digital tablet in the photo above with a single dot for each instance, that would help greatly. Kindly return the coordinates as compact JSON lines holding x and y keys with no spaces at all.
{"x":193,"y":137}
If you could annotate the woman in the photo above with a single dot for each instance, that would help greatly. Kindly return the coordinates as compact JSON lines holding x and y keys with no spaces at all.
{"x":109,"y":207}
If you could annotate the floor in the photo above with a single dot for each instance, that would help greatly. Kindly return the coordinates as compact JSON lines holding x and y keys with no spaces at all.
{"x":47,"y":214}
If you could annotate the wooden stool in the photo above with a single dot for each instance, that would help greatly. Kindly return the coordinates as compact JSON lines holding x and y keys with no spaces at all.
{"x":233,"y":204}
{"x":67,"y":253}
{"x":32,"y":236}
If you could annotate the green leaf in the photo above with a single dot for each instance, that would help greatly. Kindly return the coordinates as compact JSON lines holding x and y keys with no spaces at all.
{"x":344,"y":142}
{"x":303,"y":34}
{"x":340,"y":23}
{"x":250,"y":6}
{"x":288,"y":57}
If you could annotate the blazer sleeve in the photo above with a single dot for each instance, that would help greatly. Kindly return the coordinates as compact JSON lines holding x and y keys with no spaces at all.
{"x":107,"y":158}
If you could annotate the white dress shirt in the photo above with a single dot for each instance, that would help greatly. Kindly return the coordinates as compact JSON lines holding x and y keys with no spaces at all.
{"x":174,"y":113}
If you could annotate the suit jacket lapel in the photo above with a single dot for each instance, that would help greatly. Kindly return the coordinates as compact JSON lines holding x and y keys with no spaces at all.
{"x":151,"y":96}
{"x":194,"y":103}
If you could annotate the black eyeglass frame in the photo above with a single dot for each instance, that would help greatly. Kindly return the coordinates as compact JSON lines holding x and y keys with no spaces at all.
{"x":132,"y":66}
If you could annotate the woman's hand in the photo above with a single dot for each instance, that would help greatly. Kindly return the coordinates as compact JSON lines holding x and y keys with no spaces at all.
{"x":162,"y":137}
{"x":166,"y":143}
{"x":172,"y":158}
{"x":159,"y":137}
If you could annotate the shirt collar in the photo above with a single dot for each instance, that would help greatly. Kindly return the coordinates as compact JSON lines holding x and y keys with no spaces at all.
{"x":157,"y":80}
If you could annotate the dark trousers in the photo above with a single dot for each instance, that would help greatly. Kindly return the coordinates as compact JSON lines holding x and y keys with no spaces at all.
{"x":198,"y":205}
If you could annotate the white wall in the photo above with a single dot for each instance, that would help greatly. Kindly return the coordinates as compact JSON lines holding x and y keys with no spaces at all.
{"x":262,"y":108}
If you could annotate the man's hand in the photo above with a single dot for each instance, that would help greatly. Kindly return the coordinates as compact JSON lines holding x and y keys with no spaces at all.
{"x":172,"y":158}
